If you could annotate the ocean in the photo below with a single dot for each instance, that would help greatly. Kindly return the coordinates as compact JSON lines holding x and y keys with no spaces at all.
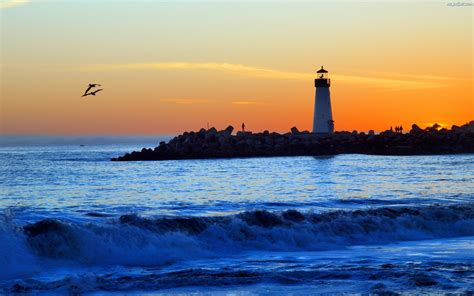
{"x":72,"y":221}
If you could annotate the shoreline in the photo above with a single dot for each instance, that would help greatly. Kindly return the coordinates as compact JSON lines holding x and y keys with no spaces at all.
{"x":213,"y":144}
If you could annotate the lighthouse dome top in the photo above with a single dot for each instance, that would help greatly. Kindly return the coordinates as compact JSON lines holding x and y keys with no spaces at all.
{"x":322,"y":70}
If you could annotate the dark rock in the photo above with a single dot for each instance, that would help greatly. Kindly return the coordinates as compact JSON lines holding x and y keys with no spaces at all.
{"x":434,"y":128}
{"x":294,"y":131}
{"x":214,"y":144}
{"x":229,"y":129}
{"x":243,"y":134}
{"x":387,"y":133}
{"x":211,"y":134}
{"x":468,"y":127}
{"x":415,"y":129}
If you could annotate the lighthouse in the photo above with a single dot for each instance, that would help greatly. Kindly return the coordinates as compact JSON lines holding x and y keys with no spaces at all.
{"x":322,"y":120}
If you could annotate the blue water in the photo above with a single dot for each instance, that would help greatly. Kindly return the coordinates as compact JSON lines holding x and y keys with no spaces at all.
{"x":346,"y":223}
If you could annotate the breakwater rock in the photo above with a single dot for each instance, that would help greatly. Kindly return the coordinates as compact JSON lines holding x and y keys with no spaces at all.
{"x":212,"y":143}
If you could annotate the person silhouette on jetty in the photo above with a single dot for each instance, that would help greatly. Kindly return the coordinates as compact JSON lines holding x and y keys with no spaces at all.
{"x":398,"y":129}
{"x":243,"y":127}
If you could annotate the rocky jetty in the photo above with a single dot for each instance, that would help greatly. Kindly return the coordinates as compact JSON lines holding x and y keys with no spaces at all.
{"x":212,"y":143}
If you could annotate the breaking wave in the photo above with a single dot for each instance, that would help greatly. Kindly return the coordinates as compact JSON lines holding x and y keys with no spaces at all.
{"x":133,"y":240}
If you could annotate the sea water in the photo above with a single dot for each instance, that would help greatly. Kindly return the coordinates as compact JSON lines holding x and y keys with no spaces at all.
{"x":72,"y":221}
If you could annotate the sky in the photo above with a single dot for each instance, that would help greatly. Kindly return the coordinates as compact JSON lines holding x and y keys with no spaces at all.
{"x":172,"y":66}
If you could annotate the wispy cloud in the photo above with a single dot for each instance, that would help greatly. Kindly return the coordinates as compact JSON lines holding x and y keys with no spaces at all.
{"x":414,"y":76}
{"x":186,"y":101}
{"x":12,"y":3}
{"x":391,"y":81}
{"x":190,"y":101}
{"x":223,"y":67}
{"x":248,"y":103}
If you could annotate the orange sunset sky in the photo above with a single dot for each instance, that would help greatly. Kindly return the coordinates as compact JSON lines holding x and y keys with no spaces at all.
{"x":167,"y":67}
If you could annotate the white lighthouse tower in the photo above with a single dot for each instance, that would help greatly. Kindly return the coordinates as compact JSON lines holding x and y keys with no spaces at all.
{"x":322,"y":121}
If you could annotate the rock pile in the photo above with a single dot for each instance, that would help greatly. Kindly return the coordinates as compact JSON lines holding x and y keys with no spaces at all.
{"x":212,"y":143}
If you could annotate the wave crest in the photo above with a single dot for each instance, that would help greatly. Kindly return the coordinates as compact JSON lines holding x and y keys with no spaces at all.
{"x":136,"y":240}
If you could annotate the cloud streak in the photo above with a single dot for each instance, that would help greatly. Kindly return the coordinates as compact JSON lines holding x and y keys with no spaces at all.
{"x":12,"y":3}
{"x":245,"y":103}
{"x":190,"y":101}
{"x":185,"y":101}
{"x":391,"y":81}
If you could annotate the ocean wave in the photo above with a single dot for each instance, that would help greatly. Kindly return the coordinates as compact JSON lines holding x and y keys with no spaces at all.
{"x":294,"y":230}
{"x":16,"y":259}
{"x":133,"y":240}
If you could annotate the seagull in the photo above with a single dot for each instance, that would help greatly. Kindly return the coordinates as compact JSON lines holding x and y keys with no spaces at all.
{"x":91,"y":85}
{"x":92,"y":92}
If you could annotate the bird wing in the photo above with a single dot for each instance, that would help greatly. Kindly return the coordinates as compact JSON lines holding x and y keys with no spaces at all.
{"x":90,"y":86}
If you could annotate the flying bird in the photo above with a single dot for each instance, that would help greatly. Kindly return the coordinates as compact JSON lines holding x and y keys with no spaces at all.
{"x":91,"y":85}
{"x":92,"y":92}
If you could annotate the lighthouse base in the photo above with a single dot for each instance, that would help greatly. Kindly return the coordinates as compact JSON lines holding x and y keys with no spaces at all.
{"x":323,"y":122}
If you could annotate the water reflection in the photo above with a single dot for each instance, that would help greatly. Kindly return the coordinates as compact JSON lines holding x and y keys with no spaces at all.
{"x":82,"y":178}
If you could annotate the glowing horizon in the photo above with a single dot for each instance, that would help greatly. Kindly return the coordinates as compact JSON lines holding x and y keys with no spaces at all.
{"x":228,"y":63}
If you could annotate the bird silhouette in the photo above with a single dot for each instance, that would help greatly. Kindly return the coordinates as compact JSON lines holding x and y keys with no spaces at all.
{"x":91,"y":85}
{"x":92,"y":93}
